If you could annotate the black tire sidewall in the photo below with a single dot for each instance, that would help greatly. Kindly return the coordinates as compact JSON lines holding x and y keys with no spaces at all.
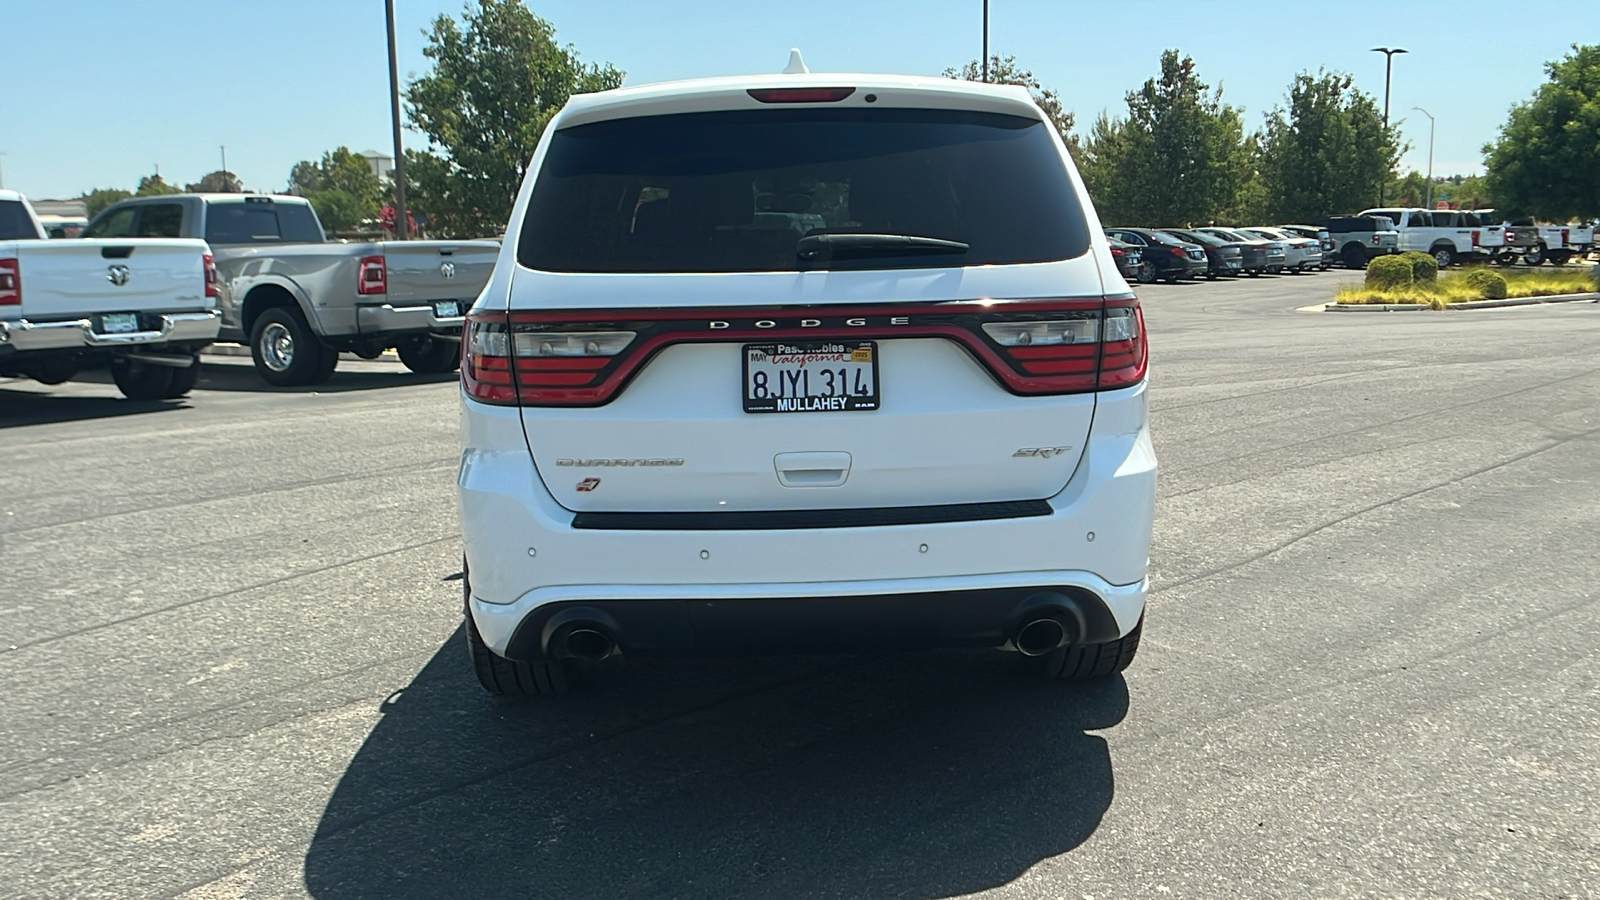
{"x":308,"y":349}
{"x":183,"y":380}
{"x":141,"y":381}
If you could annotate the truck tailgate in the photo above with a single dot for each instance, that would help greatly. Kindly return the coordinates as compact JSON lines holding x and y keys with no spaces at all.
{"x":422,"y":272}
{"x":67,"y":278}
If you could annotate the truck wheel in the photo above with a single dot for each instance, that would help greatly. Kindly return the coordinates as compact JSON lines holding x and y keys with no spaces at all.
{"x":285,"y":350}
{"x":508,"y":677}
{"x":142,"y":381}
{"x":1534,"y":256}
{"x":427,"y":355}
{"x":183,"y":381}
{"x":1444,"y":256}
{"x":1560,"y":257}
{"x":1354,"y":256}
{"x":51,"y":371}
{"x":326,"y":363}
{"x":1506,"y":259}
{"x":1089,"y":660}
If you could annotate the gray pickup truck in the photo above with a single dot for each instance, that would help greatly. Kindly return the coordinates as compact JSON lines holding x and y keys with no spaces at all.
{"x":298,"y":299}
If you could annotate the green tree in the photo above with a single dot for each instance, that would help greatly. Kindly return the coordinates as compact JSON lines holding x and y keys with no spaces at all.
{"x":341,"y":187}
{"x":153,"y":185}
{"x":498,"y":78}
{"x":1005,"y":70}
{"x":1410,"y":190}
{"x":100,"y":198}
{"x":1179,"y":157}
{"x":1327,"y":152}
{"x":218,"y":182}
{"x":1546,"y":161}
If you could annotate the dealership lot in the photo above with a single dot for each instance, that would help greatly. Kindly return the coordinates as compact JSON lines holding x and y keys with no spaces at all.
{"x":231,"y":664}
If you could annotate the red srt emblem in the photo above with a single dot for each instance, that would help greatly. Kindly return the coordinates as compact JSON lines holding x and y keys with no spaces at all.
{"x":588,"y":484}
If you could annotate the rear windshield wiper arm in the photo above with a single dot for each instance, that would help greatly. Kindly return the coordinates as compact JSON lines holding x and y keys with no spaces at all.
{"x":813,"y":245}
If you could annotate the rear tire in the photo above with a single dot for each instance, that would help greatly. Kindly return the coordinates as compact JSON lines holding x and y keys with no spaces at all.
{"x":140,"y":380}
{"x":1354,"y":256}
{"x":1443,"y":257}
{"x":286,"y":352}
{"x":1147,"y":273}
{"x":428,"y":355}
{"x":508,"y":677}
{"x":1534,"y":256}
{"x":1560,"y":258}
{"x":1089,"y":660}
{"x":183,"y":380}
{"x":325,"y":365}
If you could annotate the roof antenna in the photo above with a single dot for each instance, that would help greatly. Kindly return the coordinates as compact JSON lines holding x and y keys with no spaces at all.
{"x":796,"y":66}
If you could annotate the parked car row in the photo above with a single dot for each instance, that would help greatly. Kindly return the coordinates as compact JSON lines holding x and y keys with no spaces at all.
{"x":1168,"y":254}
{"x":153,"y":280}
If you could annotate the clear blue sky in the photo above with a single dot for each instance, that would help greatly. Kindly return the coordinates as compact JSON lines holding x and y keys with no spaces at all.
{"x":98,"y":92}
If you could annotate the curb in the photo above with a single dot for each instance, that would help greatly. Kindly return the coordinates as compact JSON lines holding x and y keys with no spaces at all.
{"x":1470,"y":304}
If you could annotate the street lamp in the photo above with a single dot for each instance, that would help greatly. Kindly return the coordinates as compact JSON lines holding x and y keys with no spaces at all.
{"x":1388,"y":70}
{"x":1430,"y":153}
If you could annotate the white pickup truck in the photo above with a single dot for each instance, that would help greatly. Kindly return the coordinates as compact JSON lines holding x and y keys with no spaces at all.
{"x":143,"y":308}
{"x":1448,"y":235}
{"x":298,"y":299}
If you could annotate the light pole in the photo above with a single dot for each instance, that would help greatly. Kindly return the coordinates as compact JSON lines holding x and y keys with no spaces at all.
{"x":401,"y":232}
{"x":1430,"y":153}
{"x":985,"y":41}
{"x":1388,"y":70}
{"x":224,"y":149}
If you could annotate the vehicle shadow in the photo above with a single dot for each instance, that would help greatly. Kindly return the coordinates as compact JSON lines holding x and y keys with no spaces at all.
{"x":39,"y":407}
{"x":908,"y":776}
{"x":241,"y":377}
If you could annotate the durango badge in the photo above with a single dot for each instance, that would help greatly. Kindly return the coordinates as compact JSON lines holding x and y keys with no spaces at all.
{"x":587,"y":485}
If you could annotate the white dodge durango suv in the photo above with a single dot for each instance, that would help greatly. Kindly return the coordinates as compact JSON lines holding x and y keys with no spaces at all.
{"x":803,"y":363}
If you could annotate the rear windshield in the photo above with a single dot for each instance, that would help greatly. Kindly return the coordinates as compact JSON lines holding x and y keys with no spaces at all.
{"x":734,"y":191}
{"x":256,"y":222}
{"x":15,"y":225}
{"x":1355,"y":223}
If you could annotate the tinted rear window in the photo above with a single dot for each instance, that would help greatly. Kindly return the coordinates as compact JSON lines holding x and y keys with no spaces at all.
{"x":735,"y":191}
{"x":14,"y":222}
{"x":261,"y":223}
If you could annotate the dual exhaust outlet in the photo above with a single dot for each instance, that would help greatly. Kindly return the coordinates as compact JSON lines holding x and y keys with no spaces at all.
{"x":1050,"y":621}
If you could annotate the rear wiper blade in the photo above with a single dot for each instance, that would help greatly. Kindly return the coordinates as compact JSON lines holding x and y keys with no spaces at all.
{"x":813,"y":245}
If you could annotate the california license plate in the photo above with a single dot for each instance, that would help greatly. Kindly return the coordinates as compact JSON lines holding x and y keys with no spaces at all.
{"x":810,"y":376}
{"x":446,"y":309}
{"x":119,"y":323}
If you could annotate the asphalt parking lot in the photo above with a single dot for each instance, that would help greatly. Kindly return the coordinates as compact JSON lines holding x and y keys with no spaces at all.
{"x":231,"y":663}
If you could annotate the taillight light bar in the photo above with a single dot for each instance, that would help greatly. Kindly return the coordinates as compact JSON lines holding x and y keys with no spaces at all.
{"x":373,"y":276}
{"x":801,"y":94}
{"x":10,"y":282}
{"x":585,"y":357}
{"x":211,"y":276}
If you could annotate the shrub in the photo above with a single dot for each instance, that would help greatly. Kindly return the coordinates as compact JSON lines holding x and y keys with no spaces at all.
{"x":1491,"y":285}
{"x":1387,"y":273}
{"x":1424,"y":268}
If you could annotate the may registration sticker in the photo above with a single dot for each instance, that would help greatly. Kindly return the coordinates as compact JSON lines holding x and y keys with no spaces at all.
{"x":811,"y":376}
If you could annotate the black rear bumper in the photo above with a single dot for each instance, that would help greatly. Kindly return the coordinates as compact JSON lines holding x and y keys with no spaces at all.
{"x":924,"y":621}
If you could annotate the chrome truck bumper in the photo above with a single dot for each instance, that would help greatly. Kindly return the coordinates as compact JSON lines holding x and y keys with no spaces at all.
{"x":22,"y":335}
{"x":388,"y":319}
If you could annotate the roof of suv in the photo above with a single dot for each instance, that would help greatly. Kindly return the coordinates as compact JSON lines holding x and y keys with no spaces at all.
{"x":727,"y":93}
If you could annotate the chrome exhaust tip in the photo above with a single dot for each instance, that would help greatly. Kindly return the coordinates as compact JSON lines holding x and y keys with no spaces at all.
{"x":1040,"y":636}
{"x":588,"y":644}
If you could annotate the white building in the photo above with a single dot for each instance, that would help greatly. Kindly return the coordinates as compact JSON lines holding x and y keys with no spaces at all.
{"x":382,"y":163}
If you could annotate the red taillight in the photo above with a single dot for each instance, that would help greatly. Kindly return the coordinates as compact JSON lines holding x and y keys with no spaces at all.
{"x":1374,"y":240}
{"x":373,"y":276}
{"x":1177,"y":251}
{"x":1565,"y":234}
{"x":211,"y":276}
{"x":1510,"y":235}
{"x":585,"y":357}
{"x":1474,"y":238}
{"x":801,"y":95}
{"x":10,"y":282}
{"x":1115,"y":252}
